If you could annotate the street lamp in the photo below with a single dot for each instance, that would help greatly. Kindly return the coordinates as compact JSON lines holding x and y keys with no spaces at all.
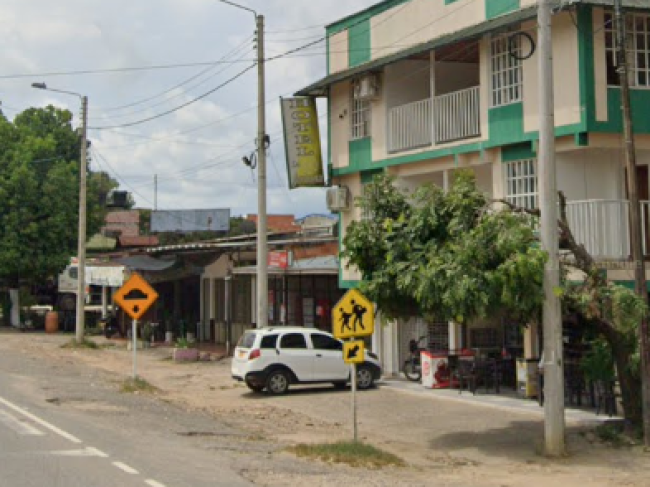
{"x":81,"y":247}
{"x":261,"y":143}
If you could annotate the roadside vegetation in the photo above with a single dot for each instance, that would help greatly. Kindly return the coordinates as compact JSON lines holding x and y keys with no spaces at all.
{"x":353,"y":453}
{"x":138,"y":385}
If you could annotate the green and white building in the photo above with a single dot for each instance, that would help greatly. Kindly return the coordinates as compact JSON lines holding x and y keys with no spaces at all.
{"x":422,"y":88}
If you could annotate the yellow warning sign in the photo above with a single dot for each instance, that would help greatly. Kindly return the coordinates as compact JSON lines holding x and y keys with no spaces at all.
{"x":136,"y":296}
{"x":354,"y":352}
{"x":353,"y":316}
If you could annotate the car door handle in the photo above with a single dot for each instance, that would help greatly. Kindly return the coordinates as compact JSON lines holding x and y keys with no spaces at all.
{"x":318,"y":355}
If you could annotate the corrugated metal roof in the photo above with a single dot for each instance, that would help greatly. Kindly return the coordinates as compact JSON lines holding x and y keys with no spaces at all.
{"x":138,"y":241}
{"x":145,"y":263}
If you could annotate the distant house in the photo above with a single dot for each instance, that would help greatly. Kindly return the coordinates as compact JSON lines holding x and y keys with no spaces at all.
{"x":122,"y":223}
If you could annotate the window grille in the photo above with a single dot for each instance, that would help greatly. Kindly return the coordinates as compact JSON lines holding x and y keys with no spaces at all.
{"x":637,"y":27}
{"x":506,"y":70}
{"x":521,"y":183}
{"x":360,"y":119}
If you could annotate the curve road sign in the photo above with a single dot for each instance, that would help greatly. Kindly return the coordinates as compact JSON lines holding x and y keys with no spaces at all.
{"x":136,"y":296}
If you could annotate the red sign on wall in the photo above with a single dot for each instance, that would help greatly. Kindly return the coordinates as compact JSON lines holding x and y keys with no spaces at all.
{"x":279,"y":258}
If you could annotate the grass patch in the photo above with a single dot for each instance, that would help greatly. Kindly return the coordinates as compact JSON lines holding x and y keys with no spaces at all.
{"x":137,"y":385}
{"x":84,"y":344}
{"x":355,"y":454}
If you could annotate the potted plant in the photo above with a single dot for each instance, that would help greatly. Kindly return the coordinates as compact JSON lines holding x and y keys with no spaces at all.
{"x":185,"y":351}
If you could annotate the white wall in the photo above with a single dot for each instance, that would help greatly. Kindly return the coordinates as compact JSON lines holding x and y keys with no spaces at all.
{"x":406,"y":81}
{"x":566,"y":80}
{"x":353,"y":182}
{"x":455,"y":76}
{"x":340,"y":124}
{"x":339,"y":54}
{"x":590,"y":174}
{"x":419,"y":21}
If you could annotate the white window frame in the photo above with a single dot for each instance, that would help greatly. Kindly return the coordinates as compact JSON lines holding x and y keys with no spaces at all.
{"x":637,"y":28}
{"x":360,"y":118}
{"x":521,"y":183}
{"x":506,"y":73}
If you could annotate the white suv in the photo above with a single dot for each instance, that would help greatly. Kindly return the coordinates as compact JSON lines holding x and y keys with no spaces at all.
{"x":274,"y":358}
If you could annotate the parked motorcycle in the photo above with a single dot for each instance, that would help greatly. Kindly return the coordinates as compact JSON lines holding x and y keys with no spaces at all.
{"x":413,"y":365}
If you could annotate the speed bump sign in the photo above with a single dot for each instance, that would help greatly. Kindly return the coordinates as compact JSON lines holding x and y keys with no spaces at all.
{"x":136,"y":296}
{"x":353,"y":316}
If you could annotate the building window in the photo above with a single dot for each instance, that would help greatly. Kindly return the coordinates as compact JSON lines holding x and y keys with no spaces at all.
{"x":506,"y":70}
{"x":360,"y":120}
{"x":521,"y":183}
{"x":637,"y":27}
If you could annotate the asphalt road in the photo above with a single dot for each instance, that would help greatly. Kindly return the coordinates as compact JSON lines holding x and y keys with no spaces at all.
{"x":68,"y":427}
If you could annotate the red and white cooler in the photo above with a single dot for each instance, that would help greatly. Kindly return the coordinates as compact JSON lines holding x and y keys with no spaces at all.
{"x":435,"y":370}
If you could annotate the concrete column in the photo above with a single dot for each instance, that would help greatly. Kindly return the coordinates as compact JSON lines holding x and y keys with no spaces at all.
{"x":104,"y":301}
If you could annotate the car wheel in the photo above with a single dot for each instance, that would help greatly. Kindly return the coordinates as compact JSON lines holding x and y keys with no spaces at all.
{"x":277,"y":382}
{"x":365,"y":377}
{"x":255,"y":387}
{"x":340,"y":385}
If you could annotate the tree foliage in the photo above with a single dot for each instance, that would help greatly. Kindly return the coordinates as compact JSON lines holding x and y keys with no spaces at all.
{"x":39,"y":194}
{"x":450,"y":255}
{"x":458,"y":256}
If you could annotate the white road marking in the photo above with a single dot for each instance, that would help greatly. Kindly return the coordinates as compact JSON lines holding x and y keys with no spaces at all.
{"x":40,"y":421}
{"x":19,"y":426}
{"x":125,"y":468}
{"x":86,"y":452}
{"x":153,"y":483}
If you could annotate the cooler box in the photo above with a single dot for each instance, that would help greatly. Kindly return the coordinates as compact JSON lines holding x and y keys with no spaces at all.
{"x":435,"y":370}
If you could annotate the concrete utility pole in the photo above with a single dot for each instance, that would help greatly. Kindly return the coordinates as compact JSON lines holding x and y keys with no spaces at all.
{"x":81,"y":240}
{"x":636,"y":239}
{"x":262,"y":245}
{"x":81,"y":244}
{"x":262,"y":251}
{"x":552,"y":313}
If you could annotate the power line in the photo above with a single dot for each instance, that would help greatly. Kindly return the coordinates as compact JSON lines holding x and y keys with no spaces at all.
{"x":188,"y":80}
{"x":194,"y":100}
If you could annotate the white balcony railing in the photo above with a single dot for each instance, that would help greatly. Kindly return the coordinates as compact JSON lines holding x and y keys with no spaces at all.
{"x":409,"y":126}
{"x":446,"y":118}
{"x":457,"y":115}
{"x":602,"y":226}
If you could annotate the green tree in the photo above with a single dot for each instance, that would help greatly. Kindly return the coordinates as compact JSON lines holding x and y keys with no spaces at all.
{"x":459,"y":256}
{"x":39,"y":194}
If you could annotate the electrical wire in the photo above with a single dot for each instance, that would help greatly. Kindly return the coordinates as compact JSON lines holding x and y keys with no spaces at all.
{"x":186,"y":81}
{"x":186,"y":104}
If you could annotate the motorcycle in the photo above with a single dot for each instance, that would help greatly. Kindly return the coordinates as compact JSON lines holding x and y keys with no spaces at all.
{"x":110,"y":326}
{"x":413,"y":365}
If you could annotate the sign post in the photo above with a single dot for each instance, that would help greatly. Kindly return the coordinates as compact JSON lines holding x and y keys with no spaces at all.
{"x":353,"y":317}
{"x":135,"y":297}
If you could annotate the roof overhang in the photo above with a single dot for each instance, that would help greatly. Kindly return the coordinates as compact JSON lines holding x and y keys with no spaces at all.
{"x":321,"y":88}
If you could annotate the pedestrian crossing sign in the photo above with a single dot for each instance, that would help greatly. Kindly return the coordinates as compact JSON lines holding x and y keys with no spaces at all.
{"x":353,"y":316}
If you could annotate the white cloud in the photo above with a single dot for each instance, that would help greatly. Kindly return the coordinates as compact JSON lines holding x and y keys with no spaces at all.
{"x":201,"y":168}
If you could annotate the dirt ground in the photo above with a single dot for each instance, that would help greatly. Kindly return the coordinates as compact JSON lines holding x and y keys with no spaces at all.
{"x":453,"y":442}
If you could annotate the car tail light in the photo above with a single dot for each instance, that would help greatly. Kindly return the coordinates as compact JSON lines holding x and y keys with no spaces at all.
{"x":254,"y":354}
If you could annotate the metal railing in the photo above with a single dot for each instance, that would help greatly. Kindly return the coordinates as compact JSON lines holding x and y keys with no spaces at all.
{"x":457,"y":115}
{"x":409,"y":126}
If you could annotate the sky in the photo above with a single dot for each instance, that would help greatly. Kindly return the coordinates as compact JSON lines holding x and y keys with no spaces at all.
{"x":131,"y":57}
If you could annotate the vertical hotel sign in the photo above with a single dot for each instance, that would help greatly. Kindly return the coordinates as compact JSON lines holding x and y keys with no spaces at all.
{"x":302,"y":142}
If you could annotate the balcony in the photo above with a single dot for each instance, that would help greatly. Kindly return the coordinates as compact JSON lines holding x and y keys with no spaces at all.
{"x":602,"y":226}
{"x":445,"y":118}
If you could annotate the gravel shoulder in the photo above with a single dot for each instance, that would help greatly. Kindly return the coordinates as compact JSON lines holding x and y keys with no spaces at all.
{"x":444,"y":442}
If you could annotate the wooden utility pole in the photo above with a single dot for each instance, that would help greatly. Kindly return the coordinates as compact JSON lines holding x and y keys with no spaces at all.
{"x":636,"y":241}
{"x":554,"y":426}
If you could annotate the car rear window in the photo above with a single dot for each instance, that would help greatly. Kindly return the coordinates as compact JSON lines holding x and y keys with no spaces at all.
{"x":293,"y":340}
{"x":247,"y":340}
{"x":324,"y":342}
{"x":269,"y":341}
